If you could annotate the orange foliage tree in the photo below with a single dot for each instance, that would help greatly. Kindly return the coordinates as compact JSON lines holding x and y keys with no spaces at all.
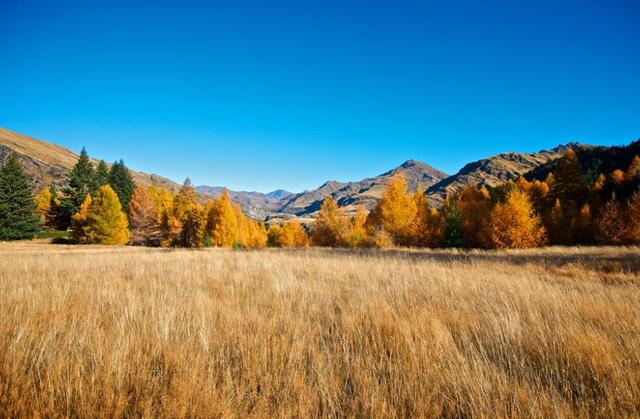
{"x":610,"y":225}
{"x":633,"y":171}
{"x":142,"y":216}
{"x":633,"y":218}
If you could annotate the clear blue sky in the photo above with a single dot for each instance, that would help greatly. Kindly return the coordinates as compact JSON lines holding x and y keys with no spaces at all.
{"x":264,"y":95}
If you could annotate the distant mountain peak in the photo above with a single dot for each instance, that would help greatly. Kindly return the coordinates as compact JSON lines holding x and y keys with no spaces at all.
{"x":279,"y":194}
{"x":562,"y":148}
{"x":411,"y":162}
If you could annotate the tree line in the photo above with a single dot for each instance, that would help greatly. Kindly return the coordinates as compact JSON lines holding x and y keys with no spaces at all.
{"x":104,"y":205}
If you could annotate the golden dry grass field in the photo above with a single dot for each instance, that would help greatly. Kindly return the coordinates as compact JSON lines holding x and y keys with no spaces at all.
{"x":111,"y":332}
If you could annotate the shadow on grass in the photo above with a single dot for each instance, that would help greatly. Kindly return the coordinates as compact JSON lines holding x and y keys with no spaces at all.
{"x":605,"y":259}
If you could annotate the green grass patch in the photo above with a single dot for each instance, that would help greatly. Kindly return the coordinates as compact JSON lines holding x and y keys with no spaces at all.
{"x":52,"y":235}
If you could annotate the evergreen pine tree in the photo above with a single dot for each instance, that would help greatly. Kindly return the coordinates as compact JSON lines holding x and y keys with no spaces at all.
{"x":122,"y":183}
{"x":19,"y":218}
{"x":102,"y":175}
{"x":80,"y":182}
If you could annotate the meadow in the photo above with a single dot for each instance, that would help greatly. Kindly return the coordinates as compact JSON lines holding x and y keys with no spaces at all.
{"x":96,"y":331}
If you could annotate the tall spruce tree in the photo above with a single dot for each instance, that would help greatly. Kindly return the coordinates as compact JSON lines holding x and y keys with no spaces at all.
{"x":19,"y":218}
{"x":122,"y":183}
{"x":102,"y":175}
{"x":80,"y":183}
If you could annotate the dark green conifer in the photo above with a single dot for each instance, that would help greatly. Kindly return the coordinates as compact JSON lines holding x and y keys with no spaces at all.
{"x":80,"y":182}
{"x":102,"y":175}
{"x":18,"y":212}
{"x":122,"y":183}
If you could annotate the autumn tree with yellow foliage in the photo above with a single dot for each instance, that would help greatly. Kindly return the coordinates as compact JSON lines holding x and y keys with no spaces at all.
{"x":288,"y":234}
{"x":356,"y":234}
{"x":43,"y":203}
{"x":397,"y":211}
{"x":330,"y":225}
{"x":106,"y":223}
{"x":514,"y":224}
{"x":79,"y":221}
{"x":222,"y":224}
{"x":474,"y":208}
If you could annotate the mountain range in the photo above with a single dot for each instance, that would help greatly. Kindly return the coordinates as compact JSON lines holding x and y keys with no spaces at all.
{"x":46,"y":163}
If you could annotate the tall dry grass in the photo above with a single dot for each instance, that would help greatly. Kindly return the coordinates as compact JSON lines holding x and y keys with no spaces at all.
{"x":89,"y":331}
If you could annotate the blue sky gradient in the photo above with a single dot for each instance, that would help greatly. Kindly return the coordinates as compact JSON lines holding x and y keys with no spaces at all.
{"x":288,"y":94}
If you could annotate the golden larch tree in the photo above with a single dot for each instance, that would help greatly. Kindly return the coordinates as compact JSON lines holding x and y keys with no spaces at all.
{"x":106,"y":224}
{"x":170,"y":228}
{"x":430,"y":226}
{"x":162,"y":200}
{"x":222,"y":224}
{"x":398,"y":211}
{"x":79,"y":221}
{"x":599,"y":182}
{"x":474,"y":208}
{"x":43,"y":201}
{"x":356,"y":235}
{"x":514,"y":224}
{"x":633,"y":171}
{"x":243,"y":226}
{"x":257,"y":234}
{"x":293,"y":235}
{"x":194,"y":225}
{"x":330,"y":225}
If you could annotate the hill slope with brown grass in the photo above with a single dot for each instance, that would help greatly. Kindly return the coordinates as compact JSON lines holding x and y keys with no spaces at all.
{"x":365,"y":192}
{"x":46,"y":163}
{"x":495,"y":170}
